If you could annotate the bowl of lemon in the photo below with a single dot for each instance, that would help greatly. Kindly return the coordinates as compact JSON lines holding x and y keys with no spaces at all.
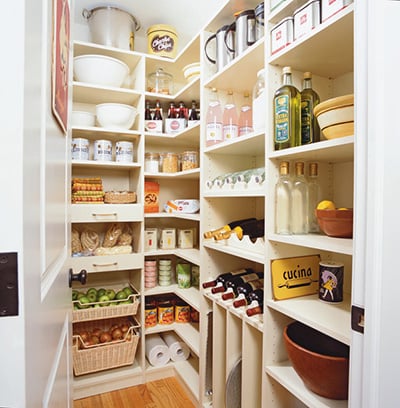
{"x":334,"y":222}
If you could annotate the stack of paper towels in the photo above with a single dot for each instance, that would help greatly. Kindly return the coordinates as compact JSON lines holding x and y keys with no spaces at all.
{"x":168,"y":346}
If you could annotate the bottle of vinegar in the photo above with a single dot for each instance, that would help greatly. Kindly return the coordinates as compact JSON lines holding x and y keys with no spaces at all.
{"x":246,"y":116}
{"x":310,"y":132}
{"x":299,"y":201}
{"x":314,"y":197}
{"x":230,"y":127}
{"x":283,"y":189}
{"x":287,"y":113}
{"x":214,"y":120}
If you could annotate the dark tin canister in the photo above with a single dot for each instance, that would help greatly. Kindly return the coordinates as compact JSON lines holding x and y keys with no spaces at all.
{"x":331,"y":281}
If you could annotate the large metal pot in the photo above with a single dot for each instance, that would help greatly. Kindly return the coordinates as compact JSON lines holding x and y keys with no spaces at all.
{"x":112,"y":27}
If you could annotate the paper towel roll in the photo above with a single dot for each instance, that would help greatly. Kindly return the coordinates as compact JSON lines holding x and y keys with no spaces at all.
{"x":157,"y":351}
{"x":178,"y":350}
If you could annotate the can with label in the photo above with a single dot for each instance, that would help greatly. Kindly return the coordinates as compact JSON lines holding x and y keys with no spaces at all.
{"x":80,"y":149}
{"x":150,"y":314}
{"x":331,"y":281}
{"x":124,"y":152}
{"x":182,"y":312}
{"x":103,"y":150}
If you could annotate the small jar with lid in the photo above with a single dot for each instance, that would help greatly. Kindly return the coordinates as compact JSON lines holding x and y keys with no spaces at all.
{"x":152,"y":162}
{"x":160,"y":82}
{"x":189,"y":160}
{"x":169,"y":162}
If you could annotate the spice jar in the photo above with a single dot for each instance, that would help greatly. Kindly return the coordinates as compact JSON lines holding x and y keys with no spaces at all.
{"x":189,"y":160}
{"x":151,"y":162}
{"x":160,"y":82}
{"x":169,"y":162}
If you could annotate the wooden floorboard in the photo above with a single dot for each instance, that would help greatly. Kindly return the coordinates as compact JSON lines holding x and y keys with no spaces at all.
{"x":164,"y":393}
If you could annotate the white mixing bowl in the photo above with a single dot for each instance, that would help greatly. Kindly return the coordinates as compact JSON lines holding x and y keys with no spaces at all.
{"x":115,"y":115}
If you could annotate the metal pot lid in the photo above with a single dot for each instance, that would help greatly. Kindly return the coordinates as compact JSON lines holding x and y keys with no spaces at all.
{"x":88,"y":13}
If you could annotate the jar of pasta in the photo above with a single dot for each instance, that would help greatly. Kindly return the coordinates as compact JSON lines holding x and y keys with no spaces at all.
{"x":169,"y":162}
{"x":189,"y":160}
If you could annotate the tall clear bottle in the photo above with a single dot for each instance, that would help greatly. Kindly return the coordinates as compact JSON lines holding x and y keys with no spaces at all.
{"x":314,"y":196}
{"x":283,"y":190}
{"x":310,"y":131}
{"x":246,"y":116}
{"x":287,"y":113}
{"x":214,"y":120}
{"x":299,"y":201}
{"x":230,"y":121}
{"x":259,"y":102}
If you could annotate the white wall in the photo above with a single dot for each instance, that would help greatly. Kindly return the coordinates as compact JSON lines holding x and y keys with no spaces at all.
{"x":12,"y":356}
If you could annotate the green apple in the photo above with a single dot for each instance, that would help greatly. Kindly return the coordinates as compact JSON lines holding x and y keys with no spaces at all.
{"x":121,"y":295}
{"x":111,"y":294}
{"x":83,"y":300}
{"x":75,"y":294}
{"x":92,"y":297}
{"x":128,"y":290}
{"x":104,"y":300}
{"x":91,"y":291}
{"x":101,"y":292}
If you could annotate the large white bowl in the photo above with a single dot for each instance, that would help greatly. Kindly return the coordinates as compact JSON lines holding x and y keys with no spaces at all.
{"x":191,"y":71}
{"x":83,"y":119}
{"x":100,"y":70}
{"x":115,"y":115}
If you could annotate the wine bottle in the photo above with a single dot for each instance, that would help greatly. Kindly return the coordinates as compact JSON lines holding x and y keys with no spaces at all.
{"x":255,"y":310}
{"x":223,"y":277}
{"x":287,"y":113}
{"x":227,"y":227}
{"x":299,"y":202}
{"x":283,"y":190}
{"x":247,"y":175}
{"x":255,"y":295}
{"x":243,"y":286}
{"x":254,"y":229}
{"x":234,"y":283}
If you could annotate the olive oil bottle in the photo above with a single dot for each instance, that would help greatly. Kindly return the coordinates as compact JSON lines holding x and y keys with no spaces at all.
{"x":287,"y":113}
{"x":310,"y":132}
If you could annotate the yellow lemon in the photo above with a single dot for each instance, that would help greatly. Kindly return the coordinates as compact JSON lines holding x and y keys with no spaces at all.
{"x":326,"y":205}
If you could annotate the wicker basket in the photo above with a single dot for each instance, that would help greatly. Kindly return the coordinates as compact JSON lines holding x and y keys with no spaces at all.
{"x":120,"y":197}
{"x":90,"y":359}
{"x":104,"y":312}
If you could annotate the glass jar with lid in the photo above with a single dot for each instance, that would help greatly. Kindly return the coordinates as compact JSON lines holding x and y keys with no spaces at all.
{"x":160,"y":82}
{"x":189,"y":160}
{"x":151,"y":162}
{"x":169,"y":162}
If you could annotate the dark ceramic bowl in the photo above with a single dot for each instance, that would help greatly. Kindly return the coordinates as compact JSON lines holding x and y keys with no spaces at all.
{"x":320,"y":361}
{"x":336,"y":223}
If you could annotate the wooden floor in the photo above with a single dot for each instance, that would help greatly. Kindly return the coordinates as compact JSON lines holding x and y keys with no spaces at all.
{"x":165,"y":393}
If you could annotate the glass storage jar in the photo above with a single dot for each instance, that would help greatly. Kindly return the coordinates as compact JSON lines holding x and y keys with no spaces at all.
{"x":189,"y":160}
{"x":151,"y":162}
{"x":160,"y":82}
{"x":169,"y":162}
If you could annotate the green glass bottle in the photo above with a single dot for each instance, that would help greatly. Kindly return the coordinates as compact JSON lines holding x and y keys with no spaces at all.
{"x":287,"y":113}
{"x":310,"y":132}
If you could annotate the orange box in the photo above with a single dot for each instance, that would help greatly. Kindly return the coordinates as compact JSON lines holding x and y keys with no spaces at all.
{"x":151,"y":197}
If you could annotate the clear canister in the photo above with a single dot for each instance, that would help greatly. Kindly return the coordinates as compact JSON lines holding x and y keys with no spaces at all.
{"x":189,"y":160}
{"x":151,"y":162}
{"x":169,"y":162}
{"x":160,"y":82}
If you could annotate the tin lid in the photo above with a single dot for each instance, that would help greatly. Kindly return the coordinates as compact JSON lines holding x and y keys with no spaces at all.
{"x":162,"y":27}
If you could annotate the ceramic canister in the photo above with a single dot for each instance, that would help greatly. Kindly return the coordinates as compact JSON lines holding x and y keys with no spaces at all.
{"x":103,"y":150}
{"x":124,"y":152}
{"x":80,"y":149}
{"x":331,"y":281}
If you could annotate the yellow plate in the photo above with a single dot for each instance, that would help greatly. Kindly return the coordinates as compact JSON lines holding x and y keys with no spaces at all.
{"x":334,"y":103}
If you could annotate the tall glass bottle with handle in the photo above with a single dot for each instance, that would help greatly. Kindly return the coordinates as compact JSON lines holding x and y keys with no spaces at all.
{"x":283,"y":189}
{"x":287,"y":113}
{"x":299,"y":201}
{"x":310,"y":132}
{"x":314,"y":197}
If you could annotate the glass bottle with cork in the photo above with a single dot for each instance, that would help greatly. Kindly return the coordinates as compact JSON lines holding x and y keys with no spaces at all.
{"x":310,"y":131}
{"x":287,"y":113}
{"x":283,"y":189}
{"x":299,"y":201}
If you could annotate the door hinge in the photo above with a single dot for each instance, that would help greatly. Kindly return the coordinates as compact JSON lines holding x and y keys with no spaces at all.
{"x":357,"y":319}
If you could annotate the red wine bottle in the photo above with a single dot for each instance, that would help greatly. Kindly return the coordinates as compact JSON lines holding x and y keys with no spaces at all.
{"x":226,"y":276}
{"x":239,"y":279}
{"x":245,"y":288}
{"x":225,"y":228}
{"x":257,"y":294}
{"x":255,"y":310}
{"x":233,"y":285}
{"x":254,"y":229}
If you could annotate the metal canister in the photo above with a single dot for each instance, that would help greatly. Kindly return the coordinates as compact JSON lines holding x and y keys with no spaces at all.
{"x":80,"y":149}
{"x":103,"y":150}
{"x":331,"y":281}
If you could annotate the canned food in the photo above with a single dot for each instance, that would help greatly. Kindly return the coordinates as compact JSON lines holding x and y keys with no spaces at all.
{"x":182,"y":312}
{"x":165,"y":311}
{"x":162,"y":40}
{"x":80,"y":149}
{"x":194,"y":315}
{"x":102,"y":150}
{"x":331,"y":281}
{"x":150,"y":315}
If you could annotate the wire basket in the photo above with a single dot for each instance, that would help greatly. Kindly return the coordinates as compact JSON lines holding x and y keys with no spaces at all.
{"x":92,"y":358}
{"x":110,"y":309}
